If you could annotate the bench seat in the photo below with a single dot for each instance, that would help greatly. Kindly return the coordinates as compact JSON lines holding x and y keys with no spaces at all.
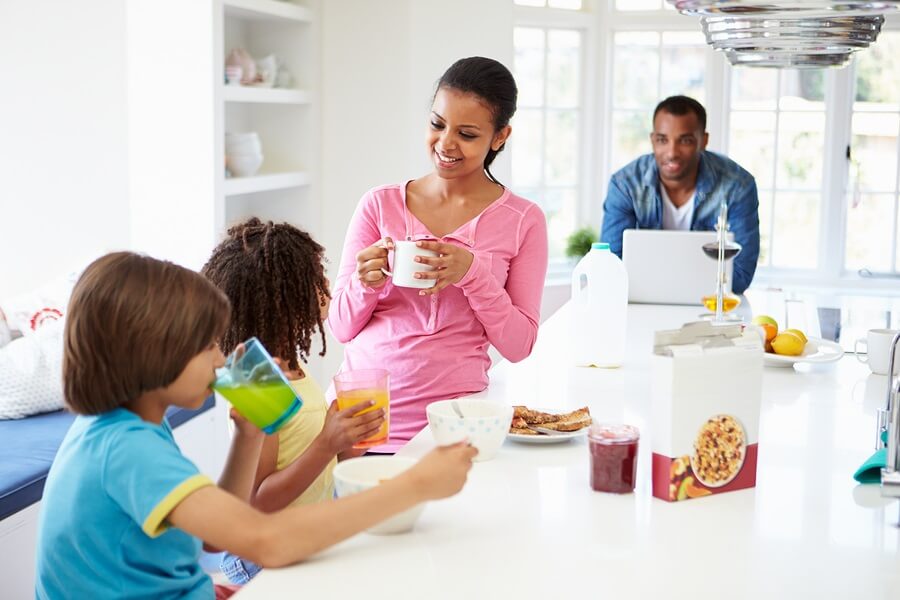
{"x":28,"y":446}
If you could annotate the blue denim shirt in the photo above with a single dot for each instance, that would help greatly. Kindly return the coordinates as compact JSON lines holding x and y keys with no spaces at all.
{"x":634,"y":202}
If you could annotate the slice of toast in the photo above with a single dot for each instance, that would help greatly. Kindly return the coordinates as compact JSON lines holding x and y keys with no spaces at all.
{"x":534,"y":417}
{"x":518,"y":423}
{"x":573,"y":421}
{"x":523,"y":431}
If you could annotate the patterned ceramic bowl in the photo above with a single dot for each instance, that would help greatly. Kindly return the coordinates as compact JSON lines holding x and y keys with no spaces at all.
{"x":485,"y":424}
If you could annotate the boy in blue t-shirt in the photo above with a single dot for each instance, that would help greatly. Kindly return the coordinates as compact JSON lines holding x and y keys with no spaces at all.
{"x":124,"y":512}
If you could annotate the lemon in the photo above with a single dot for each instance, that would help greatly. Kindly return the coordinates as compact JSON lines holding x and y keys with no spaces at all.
{"x":799,"y":334}
{"x":788,"y":343}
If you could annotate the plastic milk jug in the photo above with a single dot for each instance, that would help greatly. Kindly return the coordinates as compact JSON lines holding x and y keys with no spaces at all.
{"x":600,"y":308}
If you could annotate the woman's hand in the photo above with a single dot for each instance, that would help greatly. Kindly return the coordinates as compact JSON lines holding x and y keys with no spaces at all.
{"x":449,"y":268}
{"x":371,"y":260}
{"x":343,"y":428}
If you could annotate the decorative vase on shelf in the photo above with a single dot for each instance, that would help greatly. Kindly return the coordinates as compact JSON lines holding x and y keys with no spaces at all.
{"x":238,"y":57}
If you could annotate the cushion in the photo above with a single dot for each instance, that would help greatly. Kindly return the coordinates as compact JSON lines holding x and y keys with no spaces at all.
{"x":29,"y":445}
{"x":31,"y":373}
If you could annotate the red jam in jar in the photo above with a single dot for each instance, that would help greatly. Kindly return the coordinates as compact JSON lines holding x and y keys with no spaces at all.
{"x":613,"y":457}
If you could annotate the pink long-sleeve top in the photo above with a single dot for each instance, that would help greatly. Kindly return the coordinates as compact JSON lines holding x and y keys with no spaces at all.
{"x":436,"y":347}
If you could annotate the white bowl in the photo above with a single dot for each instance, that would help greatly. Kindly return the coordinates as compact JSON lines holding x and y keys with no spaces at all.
{"x":358,"y":474}
{"x":231,"y":135}
{"x":485,"y":424}
{"x":243,"y":147}
{"x":244,"y":165}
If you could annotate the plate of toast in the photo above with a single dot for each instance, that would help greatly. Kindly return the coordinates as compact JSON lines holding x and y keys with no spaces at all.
{"x":534,"y":426}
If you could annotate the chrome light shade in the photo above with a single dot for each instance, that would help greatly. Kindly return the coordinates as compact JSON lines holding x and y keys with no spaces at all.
{"x":795,"y":34}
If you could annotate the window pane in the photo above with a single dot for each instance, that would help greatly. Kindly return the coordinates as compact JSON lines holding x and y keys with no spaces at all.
{"x":751,"y":144}
{"x":875,"y":150}
{"x":753,"y":89}
{"x":527,"y":147}
{"x":636,"y":67}
{"x":878,"y":71}
{"x":529,"y":65}
{"x":568,"y":4}
{"x":800,"y":149}
{"x":870,"y":229}
{"x":683,"y":65}
{"x":630,"y":137}
{"x":563,"y":68}
{"x":559,"y":205}
{"x":765,"y":227}
{"x":636,"y":5}
{"x":561,"y":150}
{"x":796,"y":235}
{"x":802,"y":89}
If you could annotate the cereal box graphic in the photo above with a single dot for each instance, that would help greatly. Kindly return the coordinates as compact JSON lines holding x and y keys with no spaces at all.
{"x":706,"y":389}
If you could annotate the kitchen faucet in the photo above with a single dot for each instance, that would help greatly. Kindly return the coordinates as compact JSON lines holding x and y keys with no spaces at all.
{"x":889,"y":421}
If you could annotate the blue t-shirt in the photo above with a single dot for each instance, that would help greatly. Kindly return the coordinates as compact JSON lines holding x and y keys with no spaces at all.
{"x":102,"y":531}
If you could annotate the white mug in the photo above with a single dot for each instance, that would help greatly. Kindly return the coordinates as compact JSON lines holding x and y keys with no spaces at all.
{"x":405,"y":266}
{"x":878,"y":343}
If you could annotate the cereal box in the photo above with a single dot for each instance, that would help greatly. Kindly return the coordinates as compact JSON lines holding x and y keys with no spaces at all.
{"x":706,"y":389}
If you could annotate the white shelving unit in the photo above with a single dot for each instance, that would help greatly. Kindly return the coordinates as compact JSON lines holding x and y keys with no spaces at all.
{"x":243,"y":93}
{"x":264,"y":182}
{"x":286,"y":119}
{"x":268,"y":10}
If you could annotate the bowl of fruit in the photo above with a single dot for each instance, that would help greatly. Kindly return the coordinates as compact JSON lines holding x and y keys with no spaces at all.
{"x":787,"y":347}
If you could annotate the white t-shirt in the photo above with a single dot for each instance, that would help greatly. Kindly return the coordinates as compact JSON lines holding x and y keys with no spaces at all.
{"x":678,"y":218}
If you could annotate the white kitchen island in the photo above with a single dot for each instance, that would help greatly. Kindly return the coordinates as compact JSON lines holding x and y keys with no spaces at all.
{"x":528,"y":525}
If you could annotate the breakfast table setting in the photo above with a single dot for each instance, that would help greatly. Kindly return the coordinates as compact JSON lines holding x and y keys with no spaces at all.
{"x":529,"y":523}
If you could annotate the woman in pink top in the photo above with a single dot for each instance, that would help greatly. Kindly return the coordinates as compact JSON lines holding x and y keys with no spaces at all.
{"x":492,"y":248}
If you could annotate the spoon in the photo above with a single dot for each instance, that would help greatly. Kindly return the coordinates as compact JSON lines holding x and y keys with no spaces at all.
{"x":456,"y":409}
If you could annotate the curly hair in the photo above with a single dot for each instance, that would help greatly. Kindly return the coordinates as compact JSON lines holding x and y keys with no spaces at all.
{"x":274,"y":276}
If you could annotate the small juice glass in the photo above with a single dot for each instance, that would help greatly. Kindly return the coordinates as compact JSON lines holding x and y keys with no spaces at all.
{"x":353,"y":387}
{"x":613,"y":457}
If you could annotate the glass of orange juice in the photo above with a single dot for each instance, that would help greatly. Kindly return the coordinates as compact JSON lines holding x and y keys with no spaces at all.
{"x":353,"y":387}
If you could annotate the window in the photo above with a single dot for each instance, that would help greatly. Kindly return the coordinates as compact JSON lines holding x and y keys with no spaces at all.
{"x":872,"y":211}
{"x":777,"y":120}
{"x":547,"y":145}
{"x":647,"y":67}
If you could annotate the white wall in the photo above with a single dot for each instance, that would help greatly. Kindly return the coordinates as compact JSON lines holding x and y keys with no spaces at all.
{"x":380,"y":62}
{"x":63,"y":153}
{"x":171,"y":129}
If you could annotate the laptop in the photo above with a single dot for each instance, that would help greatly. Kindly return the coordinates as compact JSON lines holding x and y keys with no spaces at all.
{"x":669,"y":267}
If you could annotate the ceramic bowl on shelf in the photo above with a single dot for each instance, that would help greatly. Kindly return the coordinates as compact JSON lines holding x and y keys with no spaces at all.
{"x":247,"y":146}
{"x":243,"y":165}
{"x":235,"y":138}
{"x":359,"y":474}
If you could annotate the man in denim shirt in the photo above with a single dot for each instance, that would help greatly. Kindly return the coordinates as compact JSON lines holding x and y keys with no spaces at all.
{"x":681,"y":186}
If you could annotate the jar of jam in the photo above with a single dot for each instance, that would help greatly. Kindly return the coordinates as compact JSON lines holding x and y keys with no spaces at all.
{"x":613,"y":457}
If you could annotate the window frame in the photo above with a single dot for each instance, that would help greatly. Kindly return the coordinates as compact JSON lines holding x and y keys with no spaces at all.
{"x":600,"y":20}
{"x":546,"y":18}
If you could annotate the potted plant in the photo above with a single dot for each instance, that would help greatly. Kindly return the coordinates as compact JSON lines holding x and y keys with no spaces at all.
{"x":579,"y":242}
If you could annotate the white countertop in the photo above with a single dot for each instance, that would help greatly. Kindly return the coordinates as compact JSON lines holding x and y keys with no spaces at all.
{"x":528,"y":525}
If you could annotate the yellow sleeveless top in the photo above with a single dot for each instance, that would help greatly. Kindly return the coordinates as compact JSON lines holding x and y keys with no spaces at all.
{"x":298,"y":433}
